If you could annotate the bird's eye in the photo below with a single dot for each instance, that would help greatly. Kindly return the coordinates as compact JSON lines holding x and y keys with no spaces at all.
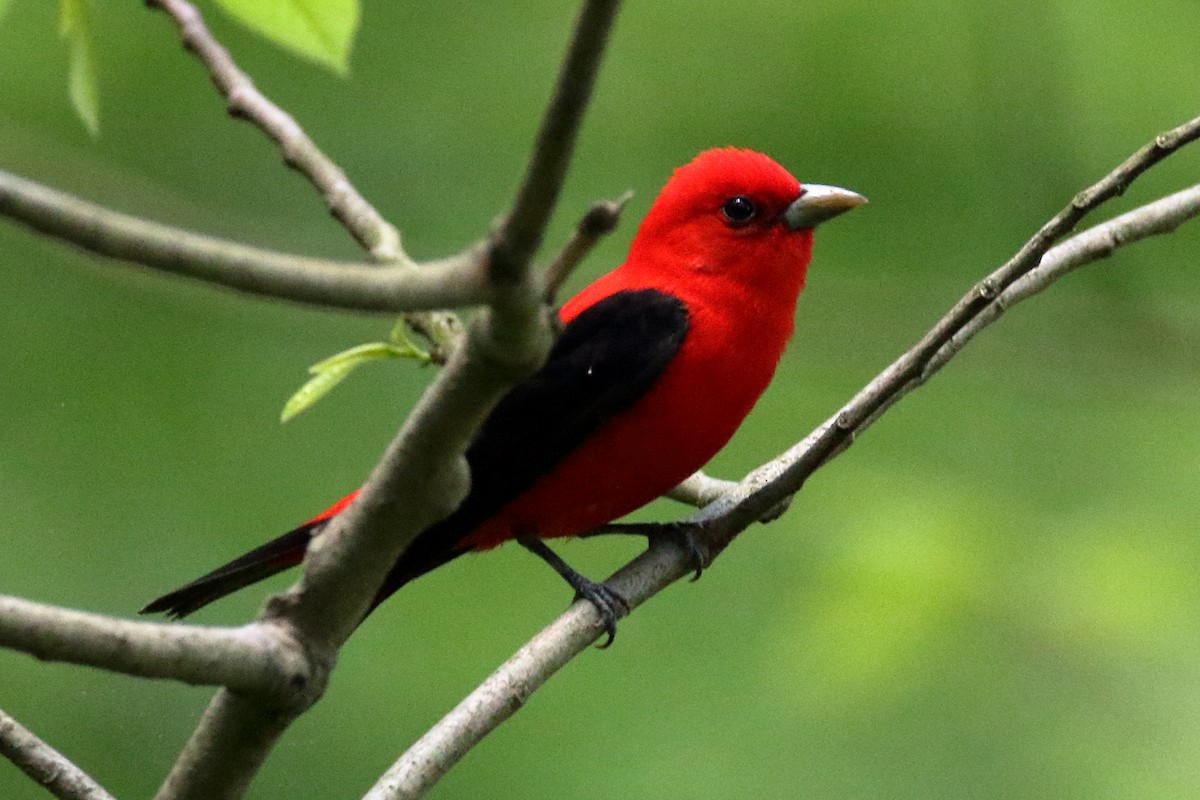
{"x":739,"y":210}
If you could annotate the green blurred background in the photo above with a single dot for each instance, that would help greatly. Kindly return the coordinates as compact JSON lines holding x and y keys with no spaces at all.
{"x":994,"y":594}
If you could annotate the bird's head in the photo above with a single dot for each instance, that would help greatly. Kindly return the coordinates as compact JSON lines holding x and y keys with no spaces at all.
{"x":737,"y":215}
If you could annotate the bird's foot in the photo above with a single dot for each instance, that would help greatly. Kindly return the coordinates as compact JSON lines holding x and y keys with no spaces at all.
{"x":609,"y":604}
{"x":683,"y":536}
{"x":674,"y":534}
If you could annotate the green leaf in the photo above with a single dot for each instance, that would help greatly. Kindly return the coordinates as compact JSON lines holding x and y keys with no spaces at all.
{"x":318,"y":386}
{"x":373,"y":351}
{"x":3,"y":8}
{"x":81,"y":75}
{"x":400,"y":339}
{"x":319,"y":30}
{"x":331,"y":371}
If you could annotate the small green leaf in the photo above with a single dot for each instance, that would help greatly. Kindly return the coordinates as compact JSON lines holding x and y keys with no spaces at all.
{"x":81,"y":75}
{"x":3,"y":8}
{"x":399,"y":334}
{"x":360,"y":354}
{"x":319,"y":30}
{"x":331,"y":371}
{"x":400,"y":339}
{"x":318,"y":386}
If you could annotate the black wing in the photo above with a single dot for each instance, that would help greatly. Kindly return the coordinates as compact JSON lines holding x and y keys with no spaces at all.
{"x":604,"y":360}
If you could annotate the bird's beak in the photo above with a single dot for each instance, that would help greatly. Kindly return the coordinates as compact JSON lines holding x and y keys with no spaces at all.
{"x":818,"y":203}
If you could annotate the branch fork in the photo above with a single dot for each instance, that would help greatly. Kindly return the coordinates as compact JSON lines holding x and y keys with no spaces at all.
{"x":273,"y":669}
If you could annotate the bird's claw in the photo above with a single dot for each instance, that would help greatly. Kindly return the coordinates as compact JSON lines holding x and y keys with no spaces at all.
{"x":609,"y":604}
{"x":675,"y":534}
{"x":683,"y":536}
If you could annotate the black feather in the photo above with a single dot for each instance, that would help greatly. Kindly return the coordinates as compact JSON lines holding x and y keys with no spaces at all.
{"x":603,"y":362}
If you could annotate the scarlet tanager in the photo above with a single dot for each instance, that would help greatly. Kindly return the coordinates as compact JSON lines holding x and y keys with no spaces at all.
{"x":656,"y":365}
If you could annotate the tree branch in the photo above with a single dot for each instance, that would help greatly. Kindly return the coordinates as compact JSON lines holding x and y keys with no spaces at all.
{"x":507,"y":689}
{"x":245,"y":101}
{"x":600,"y":220}
{"x":890,"y":385}
{"x":441,"y":330}
{"x":522,"y":230}
{"x":455,"y":281}
{"x":496,"y":699}
{"x":45,"y":765}
{"x":1161,"y":216}
{"x":423,"y":476}
{"x":259,"y":658}
{"x":700,"y":489}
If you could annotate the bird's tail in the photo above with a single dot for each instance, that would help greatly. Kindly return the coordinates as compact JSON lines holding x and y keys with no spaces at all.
{"x":428,"y":551}
{"x":259,"y":564}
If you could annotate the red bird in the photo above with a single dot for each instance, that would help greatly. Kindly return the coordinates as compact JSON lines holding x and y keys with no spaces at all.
{"x":657,"y":364}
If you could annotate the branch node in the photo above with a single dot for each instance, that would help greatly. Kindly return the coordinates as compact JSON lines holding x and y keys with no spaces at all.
{"x":603,"y":216}
{"x":598,"y":221}
{"x":240,"y":99}
{"x":1083,"y":200}
{"x":845,"y":422}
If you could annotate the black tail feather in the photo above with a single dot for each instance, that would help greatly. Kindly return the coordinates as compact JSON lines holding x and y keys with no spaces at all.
{"x":427,"y":552}
{"x":260,"y":563}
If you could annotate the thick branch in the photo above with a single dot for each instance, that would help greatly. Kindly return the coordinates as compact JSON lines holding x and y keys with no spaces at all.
{"x":245,"y":101}
{"x":420,"y":479}
{"x":507,"y":689}
{"x":456,"y":281}
{"x":256,"y":658}
{"x":522,"y":231}
{"x":41,"y":762}
{"x":423,"y":475}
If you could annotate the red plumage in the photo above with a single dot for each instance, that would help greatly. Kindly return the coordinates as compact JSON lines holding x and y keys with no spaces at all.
{"x":736,"y":281}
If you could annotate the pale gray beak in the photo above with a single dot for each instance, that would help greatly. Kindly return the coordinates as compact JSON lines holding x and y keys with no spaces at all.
{"x":818,"y":203}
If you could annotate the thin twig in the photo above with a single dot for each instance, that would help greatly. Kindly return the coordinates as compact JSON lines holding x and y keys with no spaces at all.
{"x":260,"y":659}
{"x":1161,"y":216}
{"x":455,"y":281}
{"x":45,"y":765}
{"x":443,"y":330}
{"x":245,"y":101}
{"x":599,"y":221}
{"x":701,"y":489}
{"x":522,"y":230}
{"x":785,"y":475}
{"x":507,"y":689}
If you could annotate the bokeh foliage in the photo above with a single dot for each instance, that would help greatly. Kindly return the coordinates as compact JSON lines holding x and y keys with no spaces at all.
{"x":995,"y":593}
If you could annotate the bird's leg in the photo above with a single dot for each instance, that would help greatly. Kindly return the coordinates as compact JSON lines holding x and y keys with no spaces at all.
{"x":678,"y":534}
{"x":610,"y":605}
